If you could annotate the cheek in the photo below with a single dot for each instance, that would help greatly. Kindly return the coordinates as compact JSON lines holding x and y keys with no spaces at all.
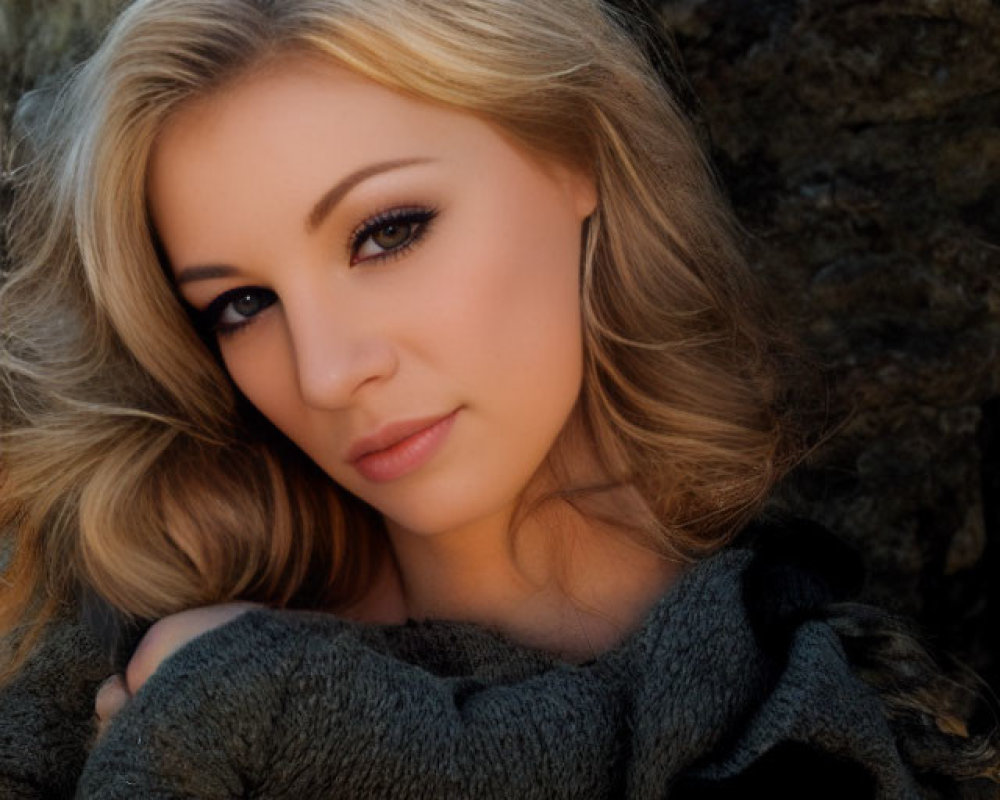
{"x":259,"y":363}
{"x":513,"y":333}
{"x":523,"y":304}
{"x":521,"y":369}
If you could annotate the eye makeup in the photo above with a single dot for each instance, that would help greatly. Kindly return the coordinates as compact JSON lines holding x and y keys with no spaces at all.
{"x":388,"y":234}
{"x":244,"y":302}
{"x":408,"y":225}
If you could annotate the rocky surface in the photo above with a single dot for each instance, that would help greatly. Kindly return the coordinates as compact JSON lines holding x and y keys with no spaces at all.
{"x":860,"y":143}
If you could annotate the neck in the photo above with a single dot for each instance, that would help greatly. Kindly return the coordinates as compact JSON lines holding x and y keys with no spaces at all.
{"x":560,"y":582}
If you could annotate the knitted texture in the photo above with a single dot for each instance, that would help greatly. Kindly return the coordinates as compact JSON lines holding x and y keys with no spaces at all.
{"x":46,"y":716}
{"x":730,"y":683}
{"x":291,"y":704}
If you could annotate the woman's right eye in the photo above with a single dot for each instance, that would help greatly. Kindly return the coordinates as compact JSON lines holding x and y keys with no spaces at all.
{"x":234,"y":309}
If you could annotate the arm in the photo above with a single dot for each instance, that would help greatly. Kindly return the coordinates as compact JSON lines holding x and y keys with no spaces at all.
{"x":200,"y":711}
{"x":282,"y":704}
{"x":246,"y":709}
{"x":163,"y":638}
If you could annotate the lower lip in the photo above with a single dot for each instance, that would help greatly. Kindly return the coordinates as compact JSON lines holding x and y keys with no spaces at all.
{"x":407,"y":454}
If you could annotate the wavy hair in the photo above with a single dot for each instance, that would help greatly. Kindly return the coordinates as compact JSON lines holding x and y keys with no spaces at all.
{"x":132,"y":468}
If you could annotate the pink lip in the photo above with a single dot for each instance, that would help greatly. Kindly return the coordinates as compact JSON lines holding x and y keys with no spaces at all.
{"x":399,"y":447}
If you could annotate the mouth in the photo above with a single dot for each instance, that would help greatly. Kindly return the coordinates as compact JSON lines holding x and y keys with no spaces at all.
{"x":400,"y":447}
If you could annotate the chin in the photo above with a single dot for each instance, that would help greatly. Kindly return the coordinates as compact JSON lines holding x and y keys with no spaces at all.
{"x":452,"y":507}
{"x":431,"y":519}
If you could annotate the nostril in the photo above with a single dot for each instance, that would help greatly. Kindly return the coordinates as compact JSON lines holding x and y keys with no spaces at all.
{"x":331,"y":375}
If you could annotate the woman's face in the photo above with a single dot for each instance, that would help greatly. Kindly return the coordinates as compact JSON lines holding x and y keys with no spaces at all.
{"x":393,"y":284}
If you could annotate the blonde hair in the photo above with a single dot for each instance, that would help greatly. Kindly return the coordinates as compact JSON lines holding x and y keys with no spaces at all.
{"x":131,"y":466}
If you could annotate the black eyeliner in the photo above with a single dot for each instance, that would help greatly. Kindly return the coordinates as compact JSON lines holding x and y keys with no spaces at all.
{"x":412,"y":215}
{"x":208,"y":318}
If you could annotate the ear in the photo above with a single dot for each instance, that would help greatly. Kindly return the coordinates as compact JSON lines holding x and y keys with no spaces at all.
{"x":580,"y":188}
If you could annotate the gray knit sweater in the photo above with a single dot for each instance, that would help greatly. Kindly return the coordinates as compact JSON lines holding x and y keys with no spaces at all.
{"x":709,"y":698}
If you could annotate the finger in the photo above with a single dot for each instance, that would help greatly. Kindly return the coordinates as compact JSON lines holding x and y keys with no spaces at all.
{"x":111,"y":698}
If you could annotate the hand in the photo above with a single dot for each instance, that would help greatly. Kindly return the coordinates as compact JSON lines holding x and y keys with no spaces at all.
{"x":165,"y":637}
{"x":169,"y":634}
{"x":112,"y":695}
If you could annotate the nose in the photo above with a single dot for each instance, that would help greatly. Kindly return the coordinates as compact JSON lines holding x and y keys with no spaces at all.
{"x":337,"y":352}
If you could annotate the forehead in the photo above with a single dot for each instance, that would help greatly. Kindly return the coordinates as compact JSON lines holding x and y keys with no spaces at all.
{"x":256,"y":155}
{"x":292,"y":128}
{"x":301,"y":101}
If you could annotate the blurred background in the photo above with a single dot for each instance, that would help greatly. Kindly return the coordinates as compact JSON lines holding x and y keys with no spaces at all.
{"x":859,"y":141}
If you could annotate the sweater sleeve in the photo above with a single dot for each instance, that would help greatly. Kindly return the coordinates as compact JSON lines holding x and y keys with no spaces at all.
{"x":204,"y":724}
{"x":279,"y":704}
{"x":46,"y":715}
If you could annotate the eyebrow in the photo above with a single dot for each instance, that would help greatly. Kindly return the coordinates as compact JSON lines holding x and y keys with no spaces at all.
{"x":323,"y":208}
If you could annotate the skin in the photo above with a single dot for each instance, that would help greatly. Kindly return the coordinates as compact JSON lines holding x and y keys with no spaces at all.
{"x":475,"y":311}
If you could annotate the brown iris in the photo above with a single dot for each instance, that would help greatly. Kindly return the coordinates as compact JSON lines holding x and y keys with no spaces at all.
{"x":391,"y":236}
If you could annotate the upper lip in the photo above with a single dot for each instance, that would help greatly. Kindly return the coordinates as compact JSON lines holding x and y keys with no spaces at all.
{"x":390,"y":434}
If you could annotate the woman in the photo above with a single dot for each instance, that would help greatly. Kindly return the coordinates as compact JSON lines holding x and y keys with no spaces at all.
{"x":415,"y":314}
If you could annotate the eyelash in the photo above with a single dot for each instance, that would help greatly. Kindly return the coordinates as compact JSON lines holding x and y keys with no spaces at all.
{"x":420,"y":217}
{"x":208,"y":319}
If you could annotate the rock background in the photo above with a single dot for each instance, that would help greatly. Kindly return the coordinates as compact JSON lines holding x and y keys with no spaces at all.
{"x":860,"y":144}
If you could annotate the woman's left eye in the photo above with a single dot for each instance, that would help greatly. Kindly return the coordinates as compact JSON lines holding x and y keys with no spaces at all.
{"x":390,"y":234}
